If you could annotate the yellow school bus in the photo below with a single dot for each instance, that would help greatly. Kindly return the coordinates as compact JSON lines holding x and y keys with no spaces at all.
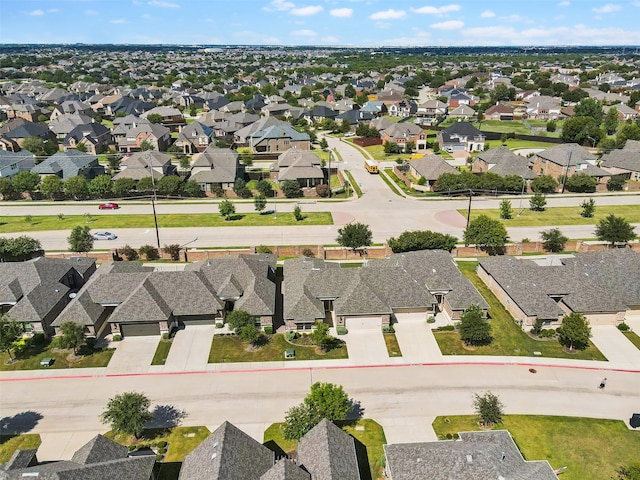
{"x":371,"y":166}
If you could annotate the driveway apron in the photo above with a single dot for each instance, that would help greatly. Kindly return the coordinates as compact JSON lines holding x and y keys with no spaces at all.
{"x":190,"y":349}
{"x":133,"y":355}
{"x":615,"y":346}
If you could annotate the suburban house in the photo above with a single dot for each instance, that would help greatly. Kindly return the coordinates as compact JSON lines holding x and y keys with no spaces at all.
{"x":64,"y":124}
{"x":146,"y":164}
{"x":403,"y":133}
{"x":241,"y":136}
{"x":71,"y":106}
{"x":503,"y":162}
{"x":301,"y":165}
{"x":133,"y":300}
{"x":121,"y":125}
{"x":604,"y":286}
{"x":94,"y":137}
{"x":567,"y":160}
{"x":430,"y":167}
{"x":34,"y":292}
{"x":355,"y":116}
{"x":157,"y":136}
{"x":326,"y":452}
{"x":462,"y":112}
{"x":544,"y":108}
{"x":216,"y":168}
{"x":278,"y":138}
{"x":319,"y":113}
{"x":499,"y":112}
{"x":14,"y":162}
{"x":403,"y":108}
{"x":172,"y":118}
{"x":376,"y":294}
{"x":625,"y":162}
{"x":25,"y":129}
{"x":376,"y":107}
{"x":194,"y":138}
{"x":461,"y":136}
{"x":476,"y":456}
{"x":432,"y":109}
{"x":99,"y":458}
{"x":69,"y":164}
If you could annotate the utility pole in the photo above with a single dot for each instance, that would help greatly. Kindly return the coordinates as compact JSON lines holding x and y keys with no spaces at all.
{"x":469,"y":208}
{"x":566,"y":172}
{"x":154,"y":198}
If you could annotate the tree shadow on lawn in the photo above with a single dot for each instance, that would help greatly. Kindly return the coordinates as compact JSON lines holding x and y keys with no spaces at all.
{"x":166,"y":417}
{"x":237,"y":216}
{"x":18,"y":424}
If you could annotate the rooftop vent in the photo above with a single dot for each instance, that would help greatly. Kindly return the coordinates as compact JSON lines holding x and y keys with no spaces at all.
{"x":469,"y":459}
{"x":214,"y":455}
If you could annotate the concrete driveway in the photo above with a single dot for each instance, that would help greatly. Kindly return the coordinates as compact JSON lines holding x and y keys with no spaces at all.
{"x":615,"y":346}
{"x":366,"y":346}
{"x":190,"y":349}
{"x":133,"y":354}
{"x":415,"y":338}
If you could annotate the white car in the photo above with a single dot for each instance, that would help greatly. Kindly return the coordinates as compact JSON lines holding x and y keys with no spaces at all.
{"x":104,"y":236}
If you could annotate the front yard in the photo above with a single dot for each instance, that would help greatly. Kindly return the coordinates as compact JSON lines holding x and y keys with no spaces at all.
{"x":633,"y":338}
{"x":589,"y":448}
{"x":226,"y":349}
{"x":508,"y":337}
{"x":10,"y":443}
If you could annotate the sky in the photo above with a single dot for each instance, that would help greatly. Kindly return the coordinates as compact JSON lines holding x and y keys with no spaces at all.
{"x":322,"y":22}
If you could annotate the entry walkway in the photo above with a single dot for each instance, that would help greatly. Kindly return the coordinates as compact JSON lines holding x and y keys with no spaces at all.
{"x":615,"y":346}
{"x":190,"y":349}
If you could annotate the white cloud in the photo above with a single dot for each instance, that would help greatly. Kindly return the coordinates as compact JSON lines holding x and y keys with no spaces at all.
{"x":608,"y":8}
{"x":118,"y":21}
{"x":390,"y":14}
{"x":161,"y":4}
{"x":487,"y":14}
{"x":279,"y":6}
{"x":90,"y":12}
{"x":330,"y":39}
{"x":449,"y":25}
{"x":35,"y":13}
{"x":564,"y":4}
{"x":146,"y":16}
{"x":416,"y":38}
{"x":53,"y":10}
{"x":304,"y":33}
{"x":306,"y":11}
{"x":341,"y":12}
{"x":428,"y":10}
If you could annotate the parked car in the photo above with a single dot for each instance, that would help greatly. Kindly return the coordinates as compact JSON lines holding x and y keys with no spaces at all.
{"x":108,"y":206}
{"x":104,"y":236}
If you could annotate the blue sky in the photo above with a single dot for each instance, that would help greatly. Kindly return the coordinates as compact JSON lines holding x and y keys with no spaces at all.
{"x":322,"y":22}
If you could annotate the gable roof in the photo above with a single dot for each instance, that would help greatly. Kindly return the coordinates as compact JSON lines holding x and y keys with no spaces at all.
{"x":432,"y":166}
{"x":278,"y":131}
{"x":567,"y":154}
{"x":465,"y":129}
{"x":216,"y":165}
{"x":68,"y":164}
{"x":285,"y":469}
{"x":296,"y":163}
{"x":503,"y":161}
{"x":623,"y":159}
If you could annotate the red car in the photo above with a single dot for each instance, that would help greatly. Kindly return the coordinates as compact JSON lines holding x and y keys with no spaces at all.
{"x":109,"y":206}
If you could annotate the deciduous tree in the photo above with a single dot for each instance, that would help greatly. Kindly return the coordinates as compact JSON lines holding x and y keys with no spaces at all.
{"x":537,"y":202}
{"x":52,"y":187}
{"x":488,"y":234}
{"x":19,"y":248}
{"x":80,"y":239}
{"x":410,"y":241}
{"x":506,"y":212}
{"x":588,"y":208}
{"x":72,"y":335}
{"x":10,"y":331}
{"x":25,"y":181}
{"x":474,"y":328}
{"x":488,"y":408}
{"x":226,"y":209}
{"x":614,"y":230}
{"x":553,"y":240}
{"x":127,"y":413}
{"x":260,"y":203}
{"x":575,"y":331}
{"x":354,"y":236}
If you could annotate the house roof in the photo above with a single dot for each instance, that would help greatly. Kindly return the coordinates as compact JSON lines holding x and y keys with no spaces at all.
{"x":328,"y":453}
{"x":464,"y":129}
{"x":193,"y":131}
{"x":567,"y":154}
{"x":296,"y":164}
{"x":68,"y":164}
{"x":263,"y":123}
{"x":145,"y":164}
{"x":285,"y":469}
{"x":92,"y":130}
{"x":9,"y":158}
{"x":432,"y":166}
{"x":503,"y":161}
{"x":215,"y":165}
{"x":276,"y":132}
{"x":623,"y":159}
{"x":400,"y":129}
{"x":477,"y":456}
{"x":227,"y":454}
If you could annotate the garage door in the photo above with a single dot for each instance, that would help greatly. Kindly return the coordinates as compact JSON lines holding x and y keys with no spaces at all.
{"x":139,"y":329}
{"x":411,"y":317}
{"x":363,"y":323}
{"x":208,"y":321}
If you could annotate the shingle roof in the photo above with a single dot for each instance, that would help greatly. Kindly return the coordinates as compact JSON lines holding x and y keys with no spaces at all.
{"x":99,"y":449}
{"x":567,"y":154}
{"x":478,"y":456}
{"x":328,"y":453}
{"x":278,"y":131}
{"x":227,"y":454}
{"x":215,"y":165}
{"x":285,"y":469}
{"x":432,"y":166}
{"x":504,"y":162}
{"x":296,"y":164}
{"x":623,"y":159}
{"x":68,"y":164}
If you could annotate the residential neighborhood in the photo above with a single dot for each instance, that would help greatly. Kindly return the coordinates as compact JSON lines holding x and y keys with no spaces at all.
{"x":449,"y":234}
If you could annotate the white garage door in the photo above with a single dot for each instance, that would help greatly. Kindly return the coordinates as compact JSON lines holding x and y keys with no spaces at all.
{"x":363,"y":323}
{"x":411,"y":317}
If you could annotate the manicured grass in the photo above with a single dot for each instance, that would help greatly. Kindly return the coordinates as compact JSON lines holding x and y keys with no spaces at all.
{"x":368,"y":432}
{"x":225,"y":349}
{"x":390,"y":184}
{"x":393,"y":349}
{"x":508,"y":337}
{"x":512,"y":126}
{"x":162,"y":352}
{"x":180,"y":440}
{"x":115,"y":221}
{"x":353,"y":183}
{"x":557,"y":215}
{"x":10,"y":443}
{"x":29,"y":358}
{"x":401,"y":185}
{"x":377,"y":152}
{"x":517,"y":144}
{"x":589,"y":448}
{"x":633,"y":338}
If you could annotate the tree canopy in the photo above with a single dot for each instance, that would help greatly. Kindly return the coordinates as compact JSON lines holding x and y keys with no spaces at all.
{"x":488,"y":234}
{"x":354,"y":236}
{"x":553,"y":240}
{"x":614,"y":229}
{"x":410,"y":241}
{"x":488,"y":408}
{"x":80,"y":239}
{"x":127,"y":413}
{"x":574,"y":332}
{"x":474,"y":328}
{"x":20,"y":248}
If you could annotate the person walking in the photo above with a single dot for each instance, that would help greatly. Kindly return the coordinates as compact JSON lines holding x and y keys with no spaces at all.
{"x":603,"y":382}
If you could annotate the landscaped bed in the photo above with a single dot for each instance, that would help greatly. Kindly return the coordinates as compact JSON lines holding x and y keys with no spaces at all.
{"x":367,"y":432}
{"x":162,"y":352}
{"x":589,"y":448}
{"x":230,"y":348}
{"x":633,"y":338}
{"x":393,"y":349}
{"x":116,"y":221}
{"x":508,"y":337}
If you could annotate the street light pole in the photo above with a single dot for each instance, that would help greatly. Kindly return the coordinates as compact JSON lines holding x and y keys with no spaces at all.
{"x":154,"y":198}
{"x":329,"y":179}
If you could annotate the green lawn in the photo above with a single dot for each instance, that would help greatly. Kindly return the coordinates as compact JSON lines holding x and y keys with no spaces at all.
{"x":557,"y":215}
{"x":162,"y":352}
{"x":401,"y":185}
{"x":394,"y":188}
{"x":367,"y":432}
{"x":393,"y":349}
{"x":115,"y":221}
{"x":233,"y":349}
{"x":633,"y":338}
{"x":10,"y":443}
{"x":353,"y":183}
{"x":517,"y":144}
{"x":377,"y":152}
{"x":508,"y":337}
{"x":590,"y":448}
{"x":29,"y":358}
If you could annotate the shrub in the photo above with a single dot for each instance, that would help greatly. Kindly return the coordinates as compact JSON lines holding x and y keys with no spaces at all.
{"x":219,"y":324}
{"x":149,"y":252}
{"x":129,"y":253}
{"x":131,"y":448}
{"x":623,"y":327}
{"x":56,"y":342}
{"x":268,"y":330}
{"x":456,"y":436}
{"x":173,"y":251}
{"x":388,"y":329}
{"x":307,"y":252}
{"x":159,"y":458}
{"x":322,"y":190}
{"x":117,"y":337}
{"x":162,"y":451}
{"x":431,"y":319}
{"x":449,"y":436}
{"x":162,"y":444}
{"x":615,"y":184}
{"x":291,"y":336}
{"x":165,"y":336}
{"x":263,"y":249}
{"x":38,"y":338}
{"x":446,"y":328}
{"x":342,"y":330}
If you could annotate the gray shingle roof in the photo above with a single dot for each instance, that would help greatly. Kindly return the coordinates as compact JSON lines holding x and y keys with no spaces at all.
{"x":432,"y":166}
{"x":623,"y":159}
{"x":215,"y":165}
{"x":227,"y":454}
{"x":69,"y":164}
{"x":503,"y":161}
{"x":328,"y":453}
{"x":285,"y":469}
{"x":295,"y":163}
{"x":478,"y":456}
{"x":99,"y":449}
{"x":278,"y":131}
{"x":567,"y":154}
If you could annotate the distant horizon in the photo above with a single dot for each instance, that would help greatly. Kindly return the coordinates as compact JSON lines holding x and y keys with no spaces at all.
{"x":322,"y":23}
